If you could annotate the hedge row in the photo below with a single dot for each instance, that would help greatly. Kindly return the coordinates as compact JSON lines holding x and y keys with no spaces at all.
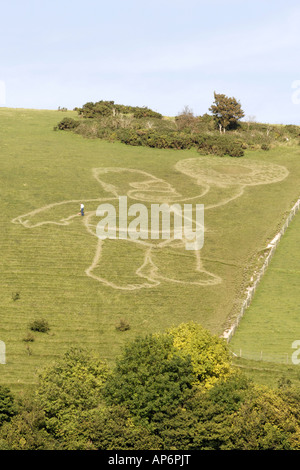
{"x":218,"y":145}
{"x":161,"y":139}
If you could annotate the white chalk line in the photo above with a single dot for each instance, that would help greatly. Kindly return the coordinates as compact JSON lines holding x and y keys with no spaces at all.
{"x":154,"y":278}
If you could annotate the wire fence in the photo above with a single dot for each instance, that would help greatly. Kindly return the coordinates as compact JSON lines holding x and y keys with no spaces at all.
{"x":265,"y":356}
{"x":250,"y":291}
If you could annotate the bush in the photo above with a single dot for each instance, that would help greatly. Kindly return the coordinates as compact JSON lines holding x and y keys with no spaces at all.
{"x":68,"y":123}
{"x":219,"y":145}
{"x":145,"y":112}
{"x":39,"y":325}
{"x":15,"y":296}
{"x":294,"y":131}
{"x":123,"y":325}
{"x":29,"y":338}
{"x":158,"y":136}
{"x":265,"y":147}
{"x":102,"y":108}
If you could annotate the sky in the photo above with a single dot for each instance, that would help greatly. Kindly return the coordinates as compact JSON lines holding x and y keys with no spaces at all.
{"x":164,"y":54}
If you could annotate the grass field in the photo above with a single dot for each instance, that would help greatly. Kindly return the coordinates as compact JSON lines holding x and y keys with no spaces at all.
{"x":43,"y":171}
{"x":271,"y":324}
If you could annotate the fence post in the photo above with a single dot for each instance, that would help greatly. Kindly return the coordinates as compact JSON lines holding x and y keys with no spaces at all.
{"x":272,"y":246}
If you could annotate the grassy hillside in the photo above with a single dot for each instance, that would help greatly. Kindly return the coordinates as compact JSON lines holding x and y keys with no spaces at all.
{"x":45,"y":264}
{"x":271,"y":324}
{"x":269,"y":374}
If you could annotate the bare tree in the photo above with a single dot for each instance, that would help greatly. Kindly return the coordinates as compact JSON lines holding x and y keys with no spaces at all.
{"x":250,"y":120}
{"x":185,"y":118}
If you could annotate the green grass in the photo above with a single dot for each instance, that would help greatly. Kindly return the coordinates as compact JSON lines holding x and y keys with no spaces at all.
{"x":271,"y":324}
{"x":46,"y":265}
{"x":268,"y":374}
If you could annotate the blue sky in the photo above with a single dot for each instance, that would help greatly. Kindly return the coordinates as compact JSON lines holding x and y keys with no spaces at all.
{"x":161,"y":54}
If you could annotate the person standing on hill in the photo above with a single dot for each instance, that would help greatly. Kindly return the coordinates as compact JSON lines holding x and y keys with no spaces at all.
{"x":82,"y":209}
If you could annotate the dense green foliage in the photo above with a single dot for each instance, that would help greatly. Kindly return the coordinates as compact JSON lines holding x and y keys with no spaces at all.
{"x":151,"y":379}
{"x":110,"y":108}
{"x":67,"y":123}
{"x":69,"y":388}
{"x":153,"y":398}
{"x":209,"y":356}
{"x":7,"y":405}
{"x":143,"y":127}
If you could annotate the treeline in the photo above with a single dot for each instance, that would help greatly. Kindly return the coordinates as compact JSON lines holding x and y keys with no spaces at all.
{"x":175,"y":390}
{"x":161,"y":137}
{"x":221,"y":133}
{"x":102,"y":108}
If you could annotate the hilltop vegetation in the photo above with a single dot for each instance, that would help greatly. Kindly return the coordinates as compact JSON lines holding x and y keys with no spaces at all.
{"x":220,"y":133}
{"x":109,"y":108}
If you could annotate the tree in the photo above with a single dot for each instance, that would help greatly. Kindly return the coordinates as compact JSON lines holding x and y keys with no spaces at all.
{"x":226,"y":111}
{"x":266,"y":421}
{"x":73,"y":385}
{"x":151,"y":379}
{"x":209,"y":354}
{"x":205,"y":422}
{"x":7,"y":405}
{"x":250,"y":120}
{"x":235,"y":414}
{"x":109,"y":428}
{"x":26,"y":430}
{"x":185,"y":119}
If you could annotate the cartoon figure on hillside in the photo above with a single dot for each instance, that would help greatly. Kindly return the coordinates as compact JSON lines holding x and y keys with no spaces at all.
{"x":130,"y":264}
